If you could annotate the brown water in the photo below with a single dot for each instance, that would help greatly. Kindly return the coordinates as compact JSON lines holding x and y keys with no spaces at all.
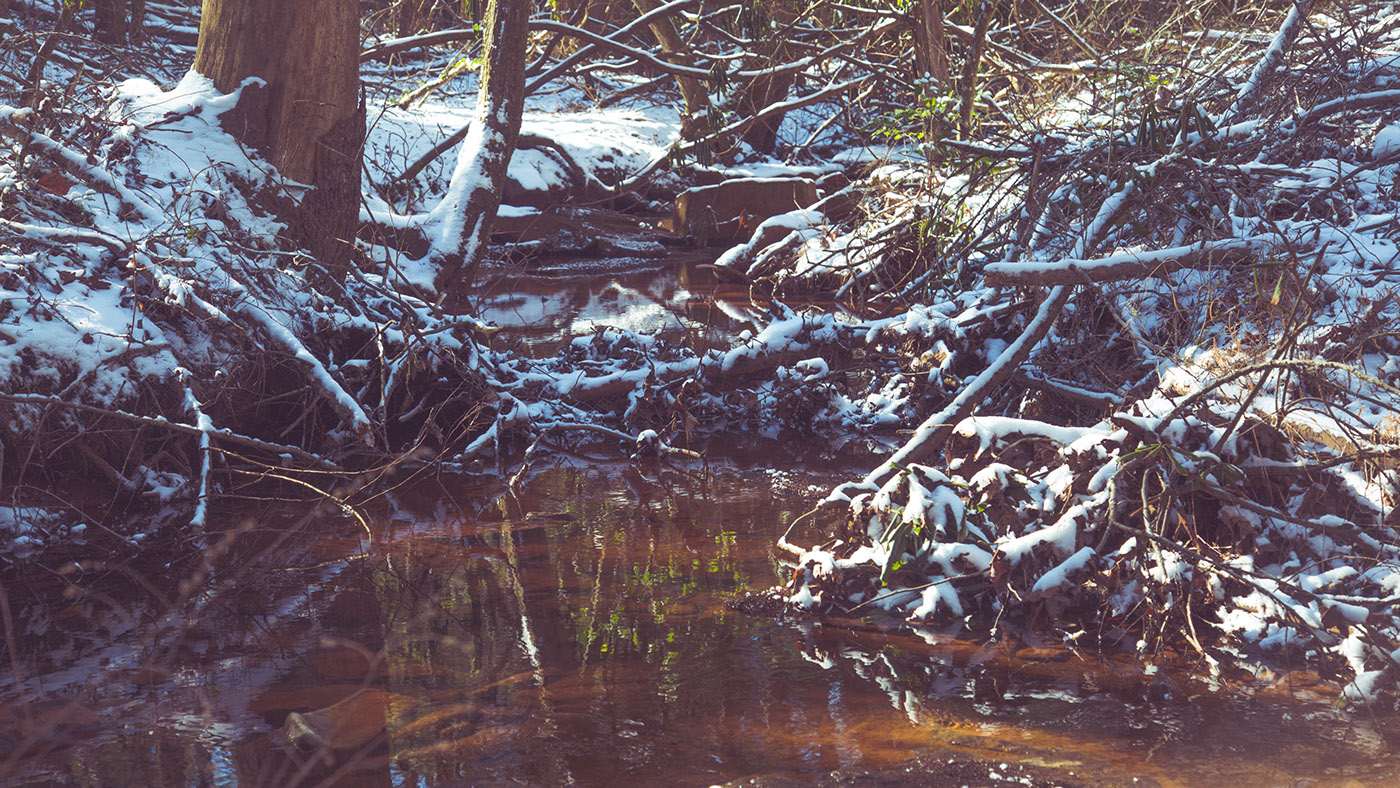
{"x":578,"y":633}
{"x":680,"y":301}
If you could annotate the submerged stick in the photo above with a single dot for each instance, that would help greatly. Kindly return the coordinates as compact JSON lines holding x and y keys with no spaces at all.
{"x":170,"y":426}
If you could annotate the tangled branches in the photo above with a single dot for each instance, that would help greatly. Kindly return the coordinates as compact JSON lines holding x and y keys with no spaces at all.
{"x":1233,"y":489}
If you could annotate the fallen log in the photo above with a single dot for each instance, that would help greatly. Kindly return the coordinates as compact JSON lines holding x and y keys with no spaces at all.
{"x":1125,"y":265}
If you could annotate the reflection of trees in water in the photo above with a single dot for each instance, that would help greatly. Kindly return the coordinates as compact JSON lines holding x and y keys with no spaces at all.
{"x":601,"y":613}
{"x":498,"y":645}
{"x":1165,"y":722}
{"x":675,"y":301}
{"x":573,"y":635}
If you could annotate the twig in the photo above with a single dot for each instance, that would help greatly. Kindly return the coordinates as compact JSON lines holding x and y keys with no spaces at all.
{"x":1283,"y":39}
{"x":1065,"y":26}
{"x":170,"y":426}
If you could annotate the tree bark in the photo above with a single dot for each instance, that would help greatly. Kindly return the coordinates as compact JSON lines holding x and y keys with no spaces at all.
{"x":116,"y":21}
{"x":307,"y":118}
{"x":597,"y":14}
{"x":1126,"y":265}
{"x":475,"y":193}
{"x":972,"y":66}
{"x":930,"y":42}
{"x":764,"y":91}
{"x":109,"y":21}
{"x":410,"y":16}
{"x":696,"y":95}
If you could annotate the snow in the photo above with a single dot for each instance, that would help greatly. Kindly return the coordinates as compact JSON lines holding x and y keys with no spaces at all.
{"x":935,"y":596}
{"x":484,"y":142}
{"x":1062,"y":574}
{"x":1387,"y":143}
{"x":607,"y":143}
{"x":1178,"y":424}
{"x":1269,"y":60}
{"x":990,"y":430}
{"x":1149,"y":258}
{"x":802,"y":221}
{"x":1012,"y":356}
{"x":1061,"y":536}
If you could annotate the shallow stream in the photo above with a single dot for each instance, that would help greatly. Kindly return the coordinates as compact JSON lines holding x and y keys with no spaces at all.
{"x":578,"y":633}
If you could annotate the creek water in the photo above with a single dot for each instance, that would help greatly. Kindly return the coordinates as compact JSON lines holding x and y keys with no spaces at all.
{"x":680,"y":302}
{"x":578,"y":632}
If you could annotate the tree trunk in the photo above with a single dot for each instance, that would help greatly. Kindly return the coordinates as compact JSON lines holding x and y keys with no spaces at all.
{"x":930,"y":42}
{"x":971,"y":67}
{"x":114,"y":21}
{"x":757,"y":95}
{"x":410,"y":16}
{"x":475,"y":193}
{"x":109,"y":21}
{"x":773,"y":23}
{"x":696,"y":95}
{"x":930,"y":60}
{"x":308,"y":119}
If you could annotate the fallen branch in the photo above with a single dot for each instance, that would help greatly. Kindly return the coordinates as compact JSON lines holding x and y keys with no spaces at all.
{"x":1273,"y":56}
{"x":71,"y":235}
{"x":206,"y":427}
{"x":74,"y":163}
{"x":1125,"y":265}
{"x":276,"y":449}
{"x":1035,"y":379}
{"x":933,"y":433}
{"x":1380,"y":99}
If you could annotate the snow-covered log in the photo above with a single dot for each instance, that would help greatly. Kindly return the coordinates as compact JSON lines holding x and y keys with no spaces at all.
{"x":1126,"y":265}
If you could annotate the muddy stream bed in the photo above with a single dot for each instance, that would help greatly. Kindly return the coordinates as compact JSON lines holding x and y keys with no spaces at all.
{"x":579,"y":633}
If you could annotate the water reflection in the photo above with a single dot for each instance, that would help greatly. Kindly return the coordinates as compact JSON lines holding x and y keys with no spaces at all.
{"x":680,"y":300}
{"x":578,"y":634}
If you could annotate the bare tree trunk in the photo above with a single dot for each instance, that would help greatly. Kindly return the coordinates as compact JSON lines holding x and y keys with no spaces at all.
{"x":930,"y":58}
{"x":308,"y":119}
{"x":772,"y":87}
{"x":475,"y":193}
{"x":115,"y":21}
{"x":971,"y":67}
{"x":410,"y":16}
{"x":32,"y":95}
{"x":109,"y":21}
{"x":694,"y":92}
{"x":757,"y":95}
{"x":930,"y":42}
